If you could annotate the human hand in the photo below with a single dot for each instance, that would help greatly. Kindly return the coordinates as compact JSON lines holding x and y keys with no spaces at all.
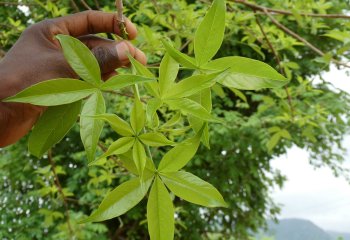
{"x":37,"y":56}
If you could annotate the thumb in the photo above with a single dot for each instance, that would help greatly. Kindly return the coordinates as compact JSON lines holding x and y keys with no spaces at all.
{"x":110,"y":54}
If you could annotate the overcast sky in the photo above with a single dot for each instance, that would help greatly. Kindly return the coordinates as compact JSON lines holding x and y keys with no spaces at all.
{"x":315,"y":194}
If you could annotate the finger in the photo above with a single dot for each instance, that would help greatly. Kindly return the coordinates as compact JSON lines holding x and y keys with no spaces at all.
{"x":110,"y":54}
{"x":91,"y":22}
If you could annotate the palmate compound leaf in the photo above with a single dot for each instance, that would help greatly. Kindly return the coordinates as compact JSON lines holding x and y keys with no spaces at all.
{"x":168,"y":71}
{"x":193,"y":189}
{"x":139,"y":156}
{"x":121,"y":81}
{"x":203,"y":98}
{"x":81,"y":59}
{"x":120,"y":200}
{"x":160,"y":212}
{"x":188,"y":106}
{"x":52,"y":126}
{"x":137,"y":117}
{"x":129,"y":164}
{"x":180,"y":155}
{"x":246,"y":74}
{"x":155,"y":139}
{"x":210,"y":33}
{"x":90,"y":128}
{"x":192,"y":85}
{"x":151,"y":110}
{"x":120,"y":146}
{"x":54,"y":92}
{"x":152,"y":87}
{"x":122,"y":127}
{"x":180,"y":57}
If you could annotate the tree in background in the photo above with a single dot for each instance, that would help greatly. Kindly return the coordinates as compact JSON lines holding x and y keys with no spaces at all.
{"x":44,"y":198}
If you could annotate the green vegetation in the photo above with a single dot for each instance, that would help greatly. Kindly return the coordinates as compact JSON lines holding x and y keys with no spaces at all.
{"x":46,"y":198}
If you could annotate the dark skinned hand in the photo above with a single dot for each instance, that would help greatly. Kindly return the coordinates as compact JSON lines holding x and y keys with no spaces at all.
{"x":37,"y":56}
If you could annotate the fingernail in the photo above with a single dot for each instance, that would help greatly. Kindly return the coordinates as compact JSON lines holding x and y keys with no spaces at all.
{"x":122,"y":51}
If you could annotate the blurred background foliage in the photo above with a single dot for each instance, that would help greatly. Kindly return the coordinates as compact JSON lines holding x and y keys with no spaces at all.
{"x":44,"y":198}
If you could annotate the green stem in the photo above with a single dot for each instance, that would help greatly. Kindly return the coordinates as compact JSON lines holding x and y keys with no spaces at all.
{"x":137,"y":96}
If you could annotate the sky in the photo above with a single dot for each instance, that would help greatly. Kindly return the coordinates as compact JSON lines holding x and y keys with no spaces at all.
{"x":315,"y":194}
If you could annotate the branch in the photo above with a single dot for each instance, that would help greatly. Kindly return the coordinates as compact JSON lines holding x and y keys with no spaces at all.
{"x":59,"y":187}
{"x":301,"y":39}
{"x":278,"y":60}
{"x":75,"y":6}
{"x":85,"y":4}
{"x":262,"y":9}
{"x":120,"y":19}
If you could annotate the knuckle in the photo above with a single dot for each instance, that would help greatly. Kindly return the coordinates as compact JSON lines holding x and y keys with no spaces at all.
{"x":106,"y":58}
{"x":102,"y":54}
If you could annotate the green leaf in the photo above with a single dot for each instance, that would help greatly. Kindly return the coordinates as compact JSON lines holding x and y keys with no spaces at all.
{"x":81,"y":59}
{"x":217,"y":88}
{"x":152,"y":106}
{"x":52,"y":126}
{"x":273,"y":141}
{"x":119,"y":125}
{"x":54,"y":92}
{"x":122,"y":145}
{"x":343,"y":36}
{"x":180,"y":155}
{"x":137,"y":118}
{"x":129,"y":164}
{"x":151,"y":87}
{"x":120,"y":200}
{"x":210,"y":33}
{"x":192,"y":85}
{"x":121,"y":81}
{"x":181,"y":58}
{"x":193,"y":189}
{"x":239,"y":94}
{"x":188,"y":106}
{"x":285,"y":134}
{"x":160,"y":212}
{"x":155,"y":139}
{"x":139,"y":156}
{"x":247,"y":74}
{"x":168,"y":71}
{"x":90,"y":128}
{"x":173,"y":121}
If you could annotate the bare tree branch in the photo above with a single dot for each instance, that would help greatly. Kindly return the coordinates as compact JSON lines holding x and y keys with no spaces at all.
{"x":271,"y":10}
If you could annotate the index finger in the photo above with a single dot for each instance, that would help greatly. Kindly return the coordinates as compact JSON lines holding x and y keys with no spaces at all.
{"x":91,"y":22}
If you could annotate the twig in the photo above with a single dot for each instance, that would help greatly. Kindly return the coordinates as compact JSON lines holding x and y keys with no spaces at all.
{"x":59,"y":187}
{"x":97,"y":4}
{"x":261,"y":8}
{"x":120,"y":19}
{"x":301,"y":39}
{"x":75,"y":6}
{"x":278,"y":60}
{"x":85,"y":4}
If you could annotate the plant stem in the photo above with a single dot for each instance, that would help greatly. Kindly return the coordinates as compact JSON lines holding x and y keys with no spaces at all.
{"x":278,"y":60}
{"x":137,"y":96}
{"x":60,"y":190}
{"x":261,"y":8}
{"x":301,"y":39}
{"x":120,"y":18}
